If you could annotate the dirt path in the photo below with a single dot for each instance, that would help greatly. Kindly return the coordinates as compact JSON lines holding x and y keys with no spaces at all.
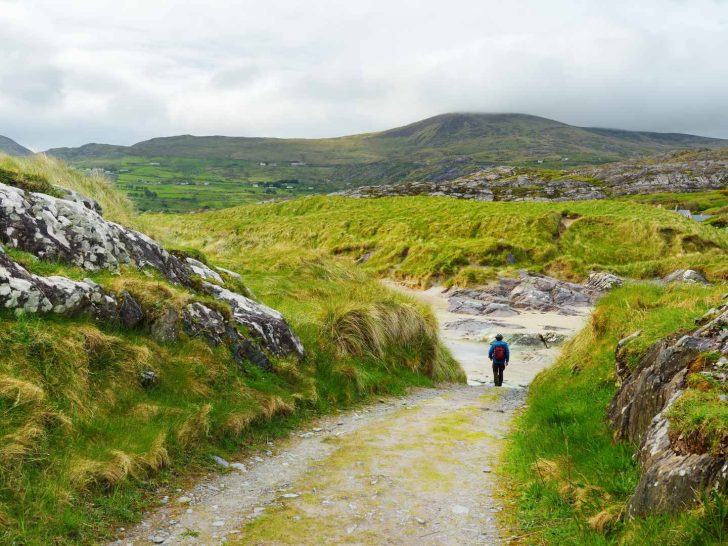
{"x":418,"y":470}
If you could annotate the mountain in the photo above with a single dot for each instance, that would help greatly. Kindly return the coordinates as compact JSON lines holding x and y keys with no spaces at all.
{"x":10,"y":147}
{"x":487,"y":137}
{"x":221,"y":171}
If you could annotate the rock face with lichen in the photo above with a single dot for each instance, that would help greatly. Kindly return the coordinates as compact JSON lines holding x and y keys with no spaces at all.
{"x":671,"y":474}
{"x":71,"y":230}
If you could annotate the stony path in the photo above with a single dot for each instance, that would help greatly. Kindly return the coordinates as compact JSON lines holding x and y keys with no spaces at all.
{"x":416,"y":470}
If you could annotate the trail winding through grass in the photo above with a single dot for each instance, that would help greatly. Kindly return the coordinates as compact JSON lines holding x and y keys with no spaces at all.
{"x":415,"y":470}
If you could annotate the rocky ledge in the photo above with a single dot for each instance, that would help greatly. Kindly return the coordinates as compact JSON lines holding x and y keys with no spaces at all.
{"x":72,"y":230}
{"x":677,"y":172}
{"x":509,"y":296}
{"x":672,"y":475}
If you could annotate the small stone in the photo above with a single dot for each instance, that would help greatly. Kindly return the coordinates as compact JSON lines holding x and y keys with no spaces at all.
{"x":157,"y":539}
{"x":487,"y":470}
{"x":457,"y":509}
{"x":218,"y":523}
{"x":222,"y":462}
{"x":291,"y":495}
{"x":420,"y":521}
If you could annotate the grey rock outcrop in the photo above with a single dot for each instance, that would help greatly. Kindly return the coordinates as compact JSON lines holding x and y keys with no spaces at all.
{"x":200,"y":320}
{"x":264,"y":323}
{"x":509,"y":296}
{"x":71,"y":230}
{"x":670,"y":476}
{"x":58,"y":229}
{"x":685,"y":275}
{"x":603,"y":281}
{"x":75,"y":197}
{"x":29,"y":293}
{"x":698,"y":171}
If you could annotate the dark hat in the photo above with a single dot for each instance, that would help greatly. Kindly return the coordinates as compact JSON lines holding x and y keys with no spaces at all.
{"x":499,"y":337}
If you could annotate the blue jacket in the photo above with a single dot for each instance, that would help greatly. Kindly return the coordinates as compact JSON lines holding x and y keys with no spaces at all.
{"x":495,"y":344}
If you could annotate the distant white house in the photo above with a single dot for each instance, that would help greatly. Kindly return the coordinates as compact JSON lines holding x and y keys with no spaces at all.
{"x":298,"y":163}
{"x":540,"y":161}
{"x":564,"y":159}
{"x":154,"y":163}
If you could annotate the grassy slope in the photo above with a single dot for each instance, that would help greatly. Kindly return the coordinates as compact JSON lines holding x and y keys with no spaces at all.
{"x":82,"y":442}
{"x":573,"y":480}
{"x":714,"y":203}
{"x":423,"y":240}
{"x":442,"y":147}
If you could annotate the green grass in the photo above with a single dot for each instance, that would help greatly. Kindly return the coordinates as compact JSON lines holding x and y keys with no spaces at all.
{"x":714,"y":203}
{"x":84,"y":444}
{"x":572,"y":480}
{"x":426,"y":240}
{"x":183,"y":173}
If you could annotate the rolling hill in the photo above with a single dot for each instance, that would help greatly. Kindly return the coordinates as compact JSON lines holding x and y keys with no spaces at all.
{"x":10,"y":147}
{"x":439,"y":148}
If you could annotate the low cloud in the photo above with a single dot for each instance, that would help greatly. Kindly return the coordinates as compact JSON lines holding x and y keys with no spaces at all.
{"x":92,"y":71}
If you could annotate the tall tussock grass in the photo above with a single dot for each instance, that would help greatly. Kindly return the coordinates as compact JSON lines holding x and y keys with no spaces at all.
{"x":117,"y":207}
{"x":378,"y":329}
{"x":569,"y":479}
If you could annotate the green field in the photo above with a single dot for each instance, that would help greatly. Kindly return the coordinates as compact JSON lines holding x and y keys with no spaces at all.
{"x":178,"y":184}
{"x":425,"y":240}
{"x":194,"y":173}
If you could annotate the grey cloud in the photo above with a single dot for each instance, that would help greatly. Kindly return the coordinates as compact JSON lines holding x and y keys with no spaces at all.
{"x":87,"y":71}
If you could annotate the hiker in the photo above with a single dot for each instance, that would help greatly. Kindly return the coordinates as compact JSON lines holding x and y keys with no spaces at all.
{"x":499,"y":354}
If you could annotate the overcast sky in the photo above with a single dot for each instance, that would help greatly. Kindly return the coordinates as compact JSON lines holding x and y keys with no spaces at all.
{"x":118,"y":72}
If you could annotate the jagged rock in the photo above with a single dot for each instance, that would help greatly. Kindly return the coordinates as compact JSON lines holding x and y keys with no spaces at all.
{"x":603,"y":281}
{"x":71,"y":230}
{"x":685,"y":275}
{"x":667,"y":173}
{"x":476,"y":329}
{"x":200,"y":269}
{"x":58,"y":229}
{"x":670,"y":478}
{"x":264,"y":323}
{"x":200,"y":320}
{"x":528,"y":292}
{"x":70,"y":195}
{"x":29,"y":293}
{"x":166,"y":327}
{"x":130,"y":312}
{"x":646,"y":390}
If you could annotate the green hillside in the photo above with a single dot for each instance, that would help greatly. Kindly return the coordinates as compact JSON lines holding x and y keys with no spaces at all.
{"x":424,"y":239}
{"x":187,"y":172}
{"x":10,"y":147}
{"x":84,"y":444}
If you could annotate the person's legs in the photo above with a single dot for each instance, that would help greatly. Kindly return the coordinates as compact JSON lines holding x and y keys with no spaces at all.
{"x":498,"y":374}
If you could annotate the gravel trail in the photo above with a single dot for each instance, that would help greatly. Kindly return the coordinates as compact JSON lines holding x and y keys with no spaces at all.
{"x":414,"y":470}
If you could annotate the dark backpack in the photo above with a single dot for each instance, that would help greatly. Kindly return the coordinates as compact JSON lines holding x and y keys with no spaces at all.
{"x":499,"y":354}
